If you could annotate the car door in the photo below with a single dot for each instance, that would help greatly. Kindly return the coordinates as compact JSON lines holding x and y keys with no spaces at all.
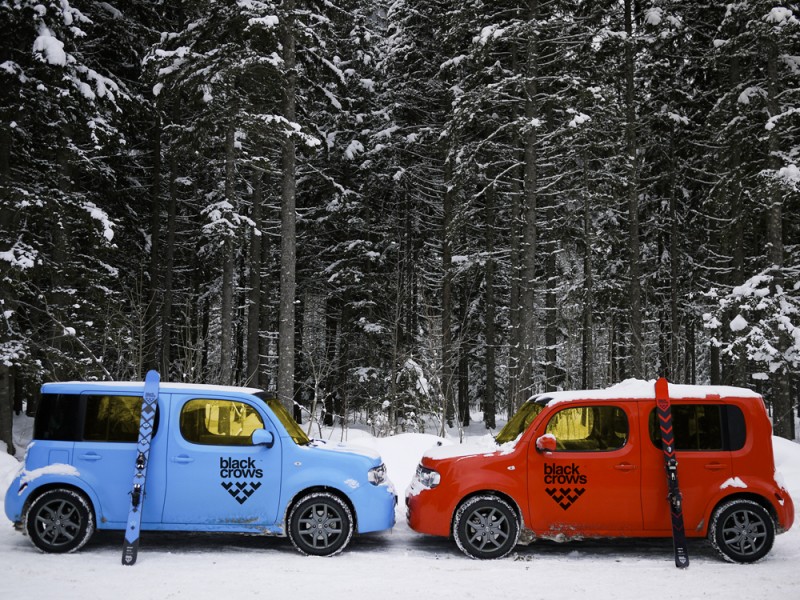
{"x":217,"y":478}
{"x":106,"y":457}
{"x":590,"y":484}
{"x":704,"y":462}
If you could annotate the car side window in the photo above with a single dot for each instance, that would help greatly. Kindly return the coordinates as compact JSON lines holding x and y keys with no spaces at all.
{"x":703,"y":427}
{"x":57,"y":418}
{"x":112,"y":418}
{"x":219,"y":422}
{"x":589,"y":428}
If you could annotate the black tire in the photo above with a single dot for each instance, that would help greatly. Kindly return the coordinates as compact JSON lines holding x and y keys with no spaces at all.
{"x":60,"y":520}
{"x":486,"y":527}
{"x":742,"y":531}
{"x":320,"y":524}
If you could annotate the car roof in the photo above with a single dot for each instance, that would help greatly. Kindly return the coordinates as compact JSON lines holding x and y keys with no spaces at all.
{"x":137,"y":388}
{"x":637,"y":389}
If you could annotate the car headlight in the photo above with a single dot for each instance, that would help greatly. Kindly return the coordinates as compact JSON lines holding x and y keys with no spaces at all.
{"x":377,"y":475}
{"x":428,"y":477}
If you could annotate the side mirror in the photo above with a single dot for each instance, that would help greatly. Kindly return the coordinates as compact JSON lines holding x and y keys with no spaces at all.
{"x":546,"y":443}
{"x":262,"y":437}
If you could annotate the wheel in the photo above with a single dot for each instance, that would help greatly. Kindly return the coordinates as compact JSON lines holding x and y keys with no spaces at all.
{"x":59,"y":520}
{"x":486,"y":527}
{"x":320,"y":524}
{"x":742,"y":531}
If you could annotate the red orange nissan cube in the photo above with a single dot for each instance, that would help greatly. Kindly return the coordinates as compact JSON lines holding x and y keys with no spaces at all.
{"x":573,"y":465}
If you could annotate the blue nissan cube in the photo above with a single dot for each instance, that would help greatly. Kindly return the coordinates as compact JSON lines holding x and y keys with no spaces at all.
{"x":222,"y":459}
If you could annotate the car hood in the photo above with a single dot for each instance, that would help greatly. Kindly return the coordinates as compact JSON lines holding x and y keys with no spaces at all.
{"x":327,"y":446}
{"x":486,"y":446}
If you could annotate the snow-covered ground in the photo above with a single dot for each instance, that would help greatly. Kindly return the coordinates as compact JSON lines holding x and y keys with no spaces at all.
{"x":396,"y":564}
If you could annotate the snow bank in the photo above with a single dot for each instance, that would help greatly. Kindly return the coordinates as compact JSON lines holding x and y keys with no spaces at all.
{"x":401,"y":454}
{"x":9,"y":467}
{"x":397,"y":565}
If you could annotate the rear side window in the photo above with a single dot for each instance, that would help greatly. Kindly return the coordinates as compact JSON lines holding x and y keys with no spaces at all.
{"x":58,"y":418}
{"x":703,"y":427}
{"x":112,"y":418}
{"x":219,"y":422}
{"x":91,"y":418}
{"x":589,"y":428}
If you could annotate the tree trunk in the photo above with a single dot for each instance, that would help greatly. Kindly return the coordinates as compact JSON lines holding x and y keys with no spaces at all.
{"x":635,"y":320}
{"x":6,"y":291}
{"x":286,"y":314}
{"x":514,"y":333}
{"x":690,"y":375}
{"x":515,"y":322}
{"x":267,"y":320}
{"x":228,"y":265}
{"x":463,"y":360}
{"x":447,"y":299}
{"x":150,"y":360}
{"x":587,"y":356}
{"x":254,"y":285}
{"x":551,"y":312}
{"x":527,"y":291}
{"x":783,"y":412}
{"x":674,"y":274}
{"x":6,"y":408}
{"x":489,"y":406}
{"x":165,"y":344}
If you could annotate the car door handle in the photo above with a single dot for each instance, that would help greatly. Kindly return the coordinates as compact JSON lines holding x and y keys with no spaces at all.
{"x":715,"y":466}
{"x":90,"y":456}
{"x":182,"y":459}
{"x":625,"y":467}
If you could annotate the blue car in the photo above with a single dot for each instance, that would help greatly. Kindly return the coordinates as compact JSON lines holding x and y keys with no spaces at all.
{"x":222,"y":458}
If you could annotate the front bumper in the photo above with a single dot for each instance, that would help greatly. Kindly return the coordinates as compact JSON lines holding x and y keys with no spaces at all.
{"x":375,"y":507}
{"x":427,"y":511}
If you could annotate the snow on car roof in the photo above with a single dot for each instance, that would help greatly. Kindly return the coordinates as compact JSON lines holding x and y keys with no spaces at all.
{"x":640,"y":389}
{"x":138,"y":387}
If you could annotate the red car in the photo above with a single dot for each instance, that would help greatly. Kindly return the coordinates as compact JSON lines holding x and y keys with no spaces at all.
{"x":573,"y":465}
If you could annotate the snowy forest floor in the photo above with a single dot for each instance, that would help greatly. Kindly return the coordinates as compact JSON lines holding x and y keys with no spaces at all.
{"x":391,"y":565}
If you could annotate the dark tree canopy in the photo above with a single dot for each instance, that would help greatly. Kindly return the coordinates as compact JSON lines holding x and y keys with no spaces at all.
{"x":434,"y":208}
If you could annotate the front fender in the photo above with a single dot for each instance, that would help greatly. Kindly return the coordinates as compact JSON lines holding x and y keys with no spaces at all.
{"x":346,"y":475}
{"x":501,"y":476}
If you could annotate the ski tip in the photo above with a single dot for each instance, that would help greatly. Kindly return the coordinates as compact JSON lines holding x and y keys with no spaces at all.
{"x":152,"y":376}
{"x":662,"y":388}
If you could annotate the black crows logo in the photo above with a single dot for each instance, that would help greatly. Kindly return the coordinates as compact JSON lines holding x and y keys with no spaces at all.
{"x":241,"y":491}
{"x":232,"y":468}
{"x":558,"y":475}
{"x":565,"y":497}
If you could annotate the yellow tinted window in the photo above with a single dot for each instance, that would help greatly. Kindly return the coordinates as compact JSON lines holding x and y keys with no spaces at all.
{"x":297,"y":434}
{"x":219,"y":422}
{"x":519,"y":422}
{"x":592,"y":428}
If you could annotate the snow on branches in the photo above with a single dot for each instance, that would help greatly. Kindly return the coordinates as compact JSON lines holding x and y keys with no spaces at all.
{"x":763,"y":322}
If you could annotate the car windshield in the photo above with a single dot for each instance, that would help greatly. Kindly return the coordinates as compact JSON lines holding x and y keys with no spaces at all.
{"x":519,"y":422}
{"x":297,"y":434}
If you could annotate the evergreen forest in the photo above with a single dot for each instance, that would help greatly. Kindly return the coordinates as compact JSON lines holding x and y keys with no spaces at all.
{"x":403,"y":213}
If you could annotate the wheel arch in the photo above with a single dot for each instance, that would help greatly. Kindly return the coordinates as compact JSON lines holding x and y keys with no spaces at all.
{"x":320,"y":489}
{"x":753,"y":497}
{"x":91,"y":500}
{"x":497,"y":494}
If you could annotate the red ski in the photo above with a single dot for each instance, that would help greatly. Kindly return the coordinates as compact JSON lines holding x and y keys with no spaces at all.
{"x":664,"y":411}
